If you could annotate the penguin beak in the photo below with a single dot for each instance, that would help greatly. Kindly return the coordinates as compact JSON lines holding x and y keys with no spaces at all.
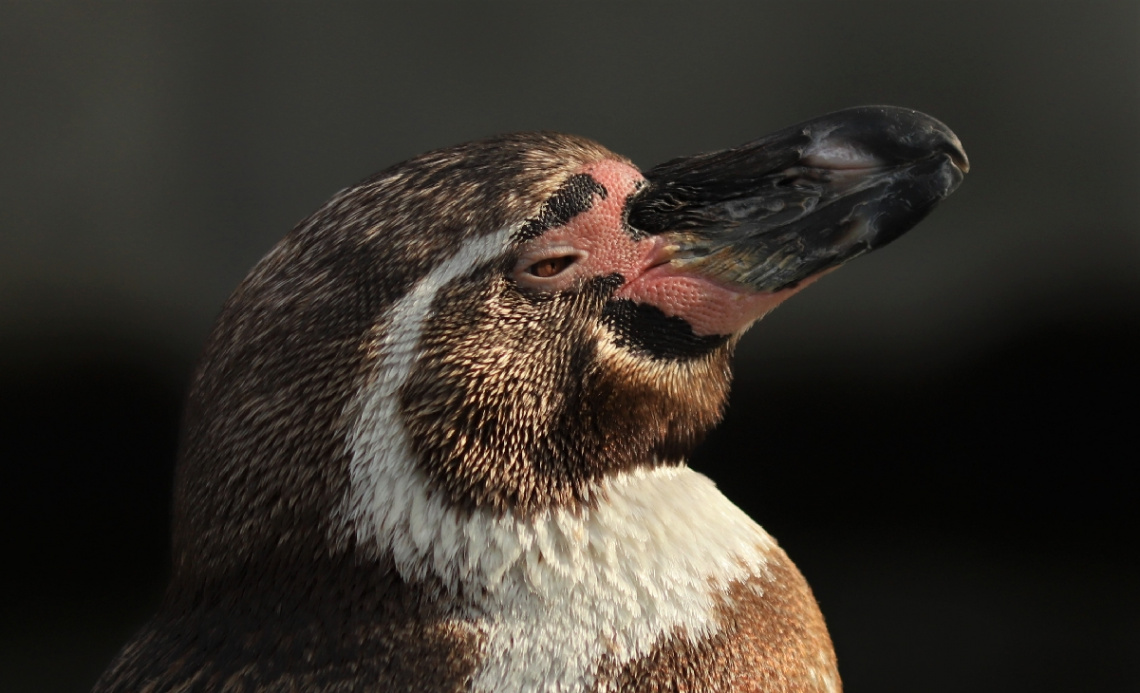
{"x":774,"y":212}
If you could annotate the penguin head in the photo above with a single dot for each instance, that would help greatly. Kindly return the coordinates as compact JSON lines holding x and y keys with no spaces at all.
{"x":507,"y":322}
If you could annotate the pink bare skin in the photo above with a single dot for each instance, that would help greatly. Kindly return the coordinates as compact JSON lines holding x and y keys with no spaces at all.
{"x":595,"y":243}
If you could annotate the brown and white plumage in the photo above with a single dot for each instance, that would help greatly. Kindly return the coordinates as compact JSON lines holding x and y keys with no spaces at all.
{"x":437,"y":438}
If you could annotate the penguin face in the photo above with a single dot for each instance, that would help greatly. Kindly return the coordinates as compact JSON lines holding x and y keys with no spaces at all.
{"x":598,"y":241}
{"x":507,"y":322}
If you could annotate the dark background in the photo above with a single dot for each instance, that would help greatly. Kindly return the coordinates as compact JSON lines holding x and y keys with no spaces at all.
{"x":941,"y":435}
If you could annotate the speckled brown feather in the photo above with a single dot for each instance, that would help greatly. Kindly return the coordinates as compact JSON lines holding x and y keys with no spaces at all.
{"x":337,"y":626}
{"x":773,"y":640}
{"x":259,"y":591}
{"x":263,"y":436}
{"x":529,"y":414}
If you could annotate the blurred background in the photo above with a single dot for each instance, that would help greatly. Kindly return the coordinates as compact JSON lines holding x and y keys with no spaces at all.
{"x":941,"y":435}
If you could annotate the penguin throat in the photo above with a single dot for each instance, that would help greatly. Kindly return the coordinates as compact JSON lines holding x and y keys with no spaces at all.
{"x":556,"y":593}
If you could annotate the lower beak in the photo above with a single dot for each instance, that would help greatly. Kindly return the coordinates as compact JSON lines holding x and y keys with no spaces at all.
{"x":774,"y":212}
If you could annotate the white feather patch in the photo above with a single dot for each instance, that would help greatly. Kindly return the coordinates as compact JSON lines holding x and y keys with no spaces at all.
{"x":569,"y":589}
{"x":555,"y":594}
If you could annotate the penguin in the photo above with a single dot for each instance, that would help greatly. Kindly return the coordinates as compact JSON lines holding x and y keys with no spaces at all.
{"x":437,"y":438}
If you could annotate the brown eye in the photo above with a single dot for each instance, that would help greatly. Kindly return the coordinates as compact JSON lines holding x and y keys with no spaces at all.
{"x":550,"y":266}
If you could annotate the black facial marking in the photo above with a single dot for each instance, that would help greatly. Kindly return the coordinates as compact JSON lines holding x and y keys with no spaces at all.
{"x":647,"y":329}
{"x":575,"y":196}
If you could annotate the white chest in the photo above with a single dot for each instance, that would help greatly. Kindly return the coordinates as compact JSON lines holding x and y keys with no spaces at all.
{"x":564,"y":593}
{"x":556,"y":595}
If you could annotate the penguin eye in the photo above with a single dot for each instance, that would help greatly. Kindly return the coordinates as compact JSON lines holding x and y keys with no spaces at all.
{"x":551,"y":266}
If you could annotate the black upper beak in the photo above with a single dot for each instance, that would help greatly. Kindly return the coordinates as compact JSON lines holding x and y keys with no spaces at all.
{"x":773,"y":212}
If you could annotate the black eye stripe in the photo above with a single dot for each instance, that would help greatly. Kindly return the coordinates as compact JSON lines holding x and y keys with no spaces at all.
{"x":645,"y":328}
{"x":575,"y":196}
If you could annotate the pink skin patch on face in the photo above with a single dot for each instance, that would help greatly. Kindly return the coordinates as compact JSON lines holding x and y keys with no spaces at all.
{"x":599,"y":245}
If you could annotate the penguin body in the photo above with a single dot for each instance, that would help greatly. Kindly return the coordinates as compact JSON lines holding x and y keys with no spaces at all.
{"x":436,"y":441}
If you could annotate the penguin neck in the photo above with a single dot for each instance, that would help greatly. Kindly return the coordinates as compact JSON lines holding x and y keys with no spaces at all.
{"x":654,"y":519}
